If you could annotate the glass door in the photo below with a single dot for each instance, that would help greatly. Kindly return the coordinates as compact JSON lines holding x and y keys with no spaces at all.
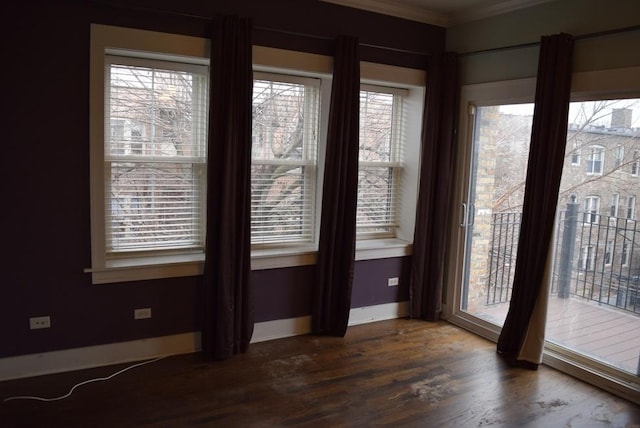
{"x":594,"y":305}
{"x":493,"y":207}
{"x":593,"y":318}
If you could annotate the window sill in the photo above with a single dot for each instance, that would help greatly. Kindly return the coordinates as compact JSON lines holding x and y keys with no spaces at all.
{"x":283,"y":257}
{"x":371,"y":249}
{"x":145,"y":268}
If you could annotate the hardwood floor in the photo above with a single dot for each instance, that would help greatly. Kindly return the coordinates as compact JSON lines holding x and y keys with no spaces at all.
{"x":390,"y":373}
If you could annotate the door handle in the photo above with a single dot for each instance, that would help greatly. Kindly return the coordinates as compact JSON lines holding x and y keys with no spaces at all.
{"x":463,"y":222}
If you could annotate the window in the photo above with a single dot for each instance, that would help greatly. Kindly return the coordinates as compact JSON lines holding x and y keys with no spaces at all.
{"x":148,"y":109}
{"x":595,"y":160}
{"x":380,"y":167}
{"x":619,"y":155}
{"x":587,"y":258}
{"x":591,"y":209}
{"x":631,"y":208}
{"x":148,"y":155}
{"x":624,"y":259}
{"x":155,"y":156}
{"x":615,"y":203}
{"x":635,"y":164}
{"x":575,"y":157}
{"x":608,"y":253}
{"x":283,"y":159}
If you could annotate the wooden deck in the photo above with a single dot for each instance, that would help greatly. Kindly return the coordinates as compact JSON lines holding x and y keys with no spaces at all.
{"x":598,"y":331}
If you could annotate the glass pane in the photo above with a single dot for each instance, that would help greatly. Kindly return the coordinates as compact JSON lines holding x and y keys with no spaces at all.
{"x":376,"y":126}
{"x":376,"y":210}
{"x":154,"y":206}
{"x":498,"y":172}
{"x":285,"y":117}
{"x":155,"y":112}
{"x":594,"y":306}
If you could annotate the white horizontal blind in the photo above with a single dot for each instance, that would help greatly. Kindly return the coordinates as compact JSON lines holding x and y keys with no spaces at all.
{"x":155,"y":155}
{"x":381,"y":140}
{"x":283,"y":170}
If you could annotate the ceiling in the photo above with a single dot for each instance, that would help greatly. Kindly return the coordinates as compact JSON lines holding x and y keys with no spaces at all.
{"x":444,"y":13}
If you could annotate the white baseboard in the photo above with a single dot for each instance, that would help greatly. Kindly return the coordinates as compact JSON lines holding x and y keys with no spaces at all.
{"x":96,"y":356}
{"x":279,"y":329}
{"x":185,"y":343}
{"x":382,"y":312}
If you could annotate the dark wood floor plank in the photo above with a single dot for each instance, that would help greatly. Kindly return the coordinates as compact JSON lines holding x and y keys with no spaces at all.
{"x":391,"y":373}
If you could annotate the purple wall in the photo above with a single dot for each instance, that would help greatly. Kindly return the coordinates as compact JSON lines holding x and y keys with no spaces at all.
{"x":45,"y":172}
{"x":286,"y":293}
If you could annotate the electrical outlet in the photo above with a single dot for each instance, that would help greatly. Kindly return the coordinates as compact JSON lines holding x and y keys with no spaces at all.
{"x":392,"y":282}
{"x":142,"y":313}
{"x":36,"y":323}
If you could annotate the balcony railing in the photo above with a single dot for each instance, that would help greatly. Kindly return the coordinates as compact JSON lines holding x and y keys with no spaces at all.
{"x":595,"y":258}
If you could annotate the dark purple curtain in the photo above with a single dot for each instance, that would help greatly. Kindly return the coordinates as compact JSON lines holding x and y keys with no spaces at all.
{"x":336,"y":252}
{"x":544,"y":171}
{"x":227,"y":323}
{"x":436,"y":182}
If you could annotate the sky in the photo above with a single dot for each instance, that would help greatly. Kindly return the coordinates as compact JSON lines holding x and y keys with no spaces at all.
{"x":596,"y":112}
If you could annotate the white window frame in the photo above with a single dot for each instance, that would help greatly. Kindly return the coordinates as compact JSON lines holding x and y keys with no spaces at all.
{"x":631,"y":208}
{"x":308,"y":162}
{"x":395,"y":163}
{"x":624,"y":254}
{"x":591,"y":208}
{"x":575,"y":155}
{"x":608,"y":253}
{"x":618,"y":155}
{"x":635,"y":164}
{"x":163,"y":46}
{"x":588,"y":258}
{"x":615,"y":204}
{"x":146,"y":45}
{"x":591,"y":160}
{"x":303,"y":64}
{"x":129,"y":154}
{"x":413,"y":82}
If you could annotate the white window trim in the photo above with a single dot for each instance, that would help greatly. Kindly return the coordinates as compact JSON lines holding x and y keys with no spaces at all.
{"x":310,"y":162}
{"x":396,"y":162}
{"x":587,"y":258}
{"x":608,"y":249}
{"x":618,"y":157}
{"x":615,"y":204}
{"x":631,"y":204}
{"x":575,"y":153}
{"x":411,"y":84}
{"x":156,"y":45}
{"x":151,"y":45}
{"x":590,"y":159}
{"x":635,"y":163}
{"x":272,"y":60}
{"x":593,"y":204}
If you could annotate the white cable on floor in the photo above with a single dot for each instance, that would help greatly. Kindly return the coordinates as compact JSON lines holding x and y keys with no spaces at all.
{"x":62,"y":397}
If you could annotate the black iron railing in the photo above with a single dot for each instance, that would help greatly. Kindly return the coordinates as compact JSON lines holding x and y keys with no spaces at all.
{"x":595,"y":258}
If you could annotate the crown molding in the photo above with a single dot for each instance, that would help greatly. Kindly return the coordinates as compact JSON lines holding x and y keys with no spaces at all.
{"x":413,"y":12}
{"x":397,"y":9}
{"x":489,"y":9}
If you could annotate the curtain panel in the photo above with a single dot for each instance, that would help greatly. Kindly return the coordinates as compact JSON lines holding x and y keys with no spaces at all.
{"x":524,"y":326}
{"x":227,"y":323}
{"x":336,"y":252}
{"x":433,"y":212}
